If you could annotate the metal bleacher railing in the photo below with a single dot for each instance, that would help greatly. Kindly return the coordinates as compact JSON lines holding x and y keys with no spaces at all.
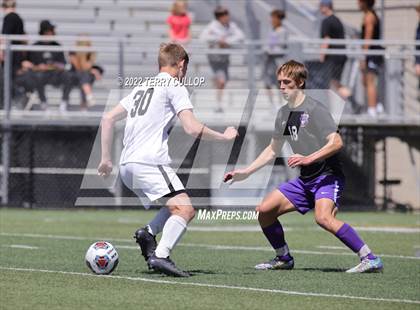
{"x":136,"y":57}
{"x":125,"y":57}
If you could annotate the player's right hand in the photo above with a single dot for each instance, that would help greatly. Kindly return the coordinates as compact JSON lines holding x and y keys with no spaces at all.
{"x":105,"y":168}
{"x":236,"y":175}
{"x":230,"y":133}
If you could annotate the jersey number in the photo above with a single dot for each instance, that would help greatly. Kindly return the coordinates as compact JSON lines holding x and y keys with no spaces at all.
{"x":141,"y":102}
{"x":293,"y":132}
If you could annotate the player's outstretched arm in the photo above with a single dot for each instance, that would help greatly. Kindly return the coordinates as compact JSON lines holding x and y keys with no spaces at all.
{"x":107,"y":133}
{"x":267,"y":155}
{"x":195,"y":128}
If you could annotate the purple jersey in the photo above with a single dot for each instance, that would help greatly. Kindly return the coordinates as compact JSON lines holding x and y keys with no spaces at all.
{"x":306,"y":128}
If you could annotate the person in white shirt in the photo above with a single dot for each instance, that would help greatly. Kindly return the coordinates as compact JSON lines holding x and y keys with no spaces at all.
{"x":221,"y":33}
{"x":274,"y":53}
{"x":144,"y":164}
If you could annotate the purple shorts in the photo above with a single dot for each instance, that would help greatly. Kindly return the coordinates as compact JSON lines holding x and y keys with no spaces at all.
{"x":303,"y":194}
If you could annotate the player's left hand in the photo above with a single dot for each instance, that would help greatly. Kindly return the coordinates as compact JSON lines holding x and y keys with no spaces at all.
{"x":298,"y":160}
{"x":105,"y":168}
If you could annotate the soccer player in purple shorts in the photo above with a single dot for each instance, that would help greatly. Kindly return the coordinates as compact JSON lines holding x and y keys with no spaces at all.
{"x":313,"y":136}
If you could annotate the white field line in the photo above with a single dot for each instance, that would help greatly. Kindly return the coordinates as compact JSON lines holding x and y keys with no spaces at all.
{"x":328,"y":247}
{"x":245,"y":228}
{"x":20,"y":246}
{"x":198,"y":245}
{"x":386,"y":229}
{"x":241,"y":288}
{"x":267,"y":249}
{"x":256,"y":228}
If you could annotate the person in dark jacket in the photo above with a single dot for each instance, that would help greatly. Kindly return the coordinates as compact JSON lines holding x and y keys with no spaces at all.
{"x":47,"y":68}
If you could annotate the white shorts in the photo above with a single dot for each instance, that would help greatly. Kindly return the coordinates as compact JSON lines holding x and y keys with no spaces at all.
{"x":155,"y":181}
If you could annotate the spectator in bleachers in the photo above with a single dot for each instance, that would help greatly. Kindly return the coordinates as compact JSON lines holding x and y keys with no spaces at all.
{"x":418,"y":47}
{"x":221,"y":33}
{"x":273,"y":56}
{"x":179,"y":23}
{"x":332,"y":28}
{"x":372,"y":65}
{"x":82,"y":74}
{"x":46,"y":67}
{"x":13,"y":25}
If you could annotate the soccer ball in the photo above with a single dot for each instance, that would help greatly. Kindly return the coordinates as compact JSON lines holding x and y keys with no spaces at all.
{"x":101,"y":257}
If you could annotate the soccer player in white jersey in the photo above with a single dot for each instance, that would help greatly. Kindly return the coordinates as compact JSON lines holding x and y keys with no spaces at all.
{"x":144,"y":164}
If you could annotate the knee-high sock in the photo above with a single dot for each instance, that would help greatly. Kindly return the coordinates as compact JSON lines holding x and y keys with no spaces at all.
{"x":172,"y":232}
{"x":275,"y":235}
{"x":155,"y":226}
{"x":351,"y":239}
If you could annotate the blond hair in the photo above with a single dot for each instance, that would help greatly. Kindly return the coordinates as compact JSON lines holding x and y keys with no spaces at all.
{"x":84,"y":60}
{"x":179,"y":7}
{"x":294,"y":70}
{"x":170,"y":54}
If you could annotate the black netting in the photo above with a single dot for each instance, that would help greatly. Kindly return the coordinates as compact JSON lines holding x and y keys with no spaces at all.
{"x":37,"y":159}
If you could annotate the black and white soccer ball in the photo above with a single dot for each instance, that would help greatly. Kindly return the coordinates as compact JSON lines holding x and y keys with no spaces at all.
{"x":102,"y":257}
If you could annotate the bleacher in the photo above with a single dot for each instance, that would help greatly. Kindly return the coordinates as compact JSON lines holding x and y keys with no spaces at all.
{"x":136,"y":20}
{"x":143,"y":22}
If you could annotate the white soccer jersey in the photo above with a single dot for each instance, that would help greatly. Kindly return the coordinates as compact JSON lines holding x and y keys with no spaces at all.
{"x":152,"y":107}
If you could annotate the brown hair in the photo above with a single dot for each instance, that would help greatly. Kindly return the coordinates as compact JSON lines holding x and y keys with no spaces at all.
{"x":369,"y":3}
{"x":278,"y":13}
{"x":295,"y":70}
{"x":418,"y":8}
{"x":8,"y":4}
{"x":220,"y":11}
{"x":170,"y":54}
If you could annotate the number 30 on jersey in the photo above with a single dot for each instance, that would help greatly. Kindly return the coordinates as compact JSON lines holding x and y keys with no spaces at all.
{"x":141,"y":102}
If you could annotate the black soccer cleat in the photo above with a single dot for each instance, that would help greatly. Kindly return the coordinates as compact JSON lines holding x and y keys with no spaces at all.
{"x":146,"y":241}
{"x":166,"y":266}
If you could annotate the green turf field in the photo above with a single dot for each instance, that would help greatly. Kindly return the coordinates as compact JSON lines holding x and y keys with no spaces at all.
{"x":42,"y":264}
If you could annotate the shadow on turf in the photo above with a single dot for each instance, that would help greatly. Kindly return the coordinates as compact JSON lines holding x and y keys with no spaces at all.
{"x":322,"y":269}
{"x":198,"y":271}
{"x":191,"y":272}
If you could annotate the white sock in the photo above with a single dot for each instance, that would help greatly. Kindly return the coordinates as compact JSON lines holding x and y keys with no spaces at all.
{"x":284,"y":250}
{"x":364,"y":251}
{"x":155,"y":226}
{"x":172,"y":232}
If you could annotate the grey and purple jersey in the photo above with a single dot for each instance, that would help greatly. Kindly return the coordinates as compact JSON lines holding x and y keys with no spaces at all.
{"x":306,"y":128}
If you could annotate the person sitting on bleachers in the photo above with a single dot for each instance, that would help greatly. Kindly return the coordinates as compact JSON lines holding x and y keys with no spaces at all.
{"x":83,"y":73}
{"x":179,"y":23}
{"x":46,"y":67}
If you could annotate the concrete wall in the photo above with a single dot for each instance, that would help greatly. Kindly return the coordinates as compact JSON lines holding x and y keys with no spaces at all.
{"x":399,"y":167}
